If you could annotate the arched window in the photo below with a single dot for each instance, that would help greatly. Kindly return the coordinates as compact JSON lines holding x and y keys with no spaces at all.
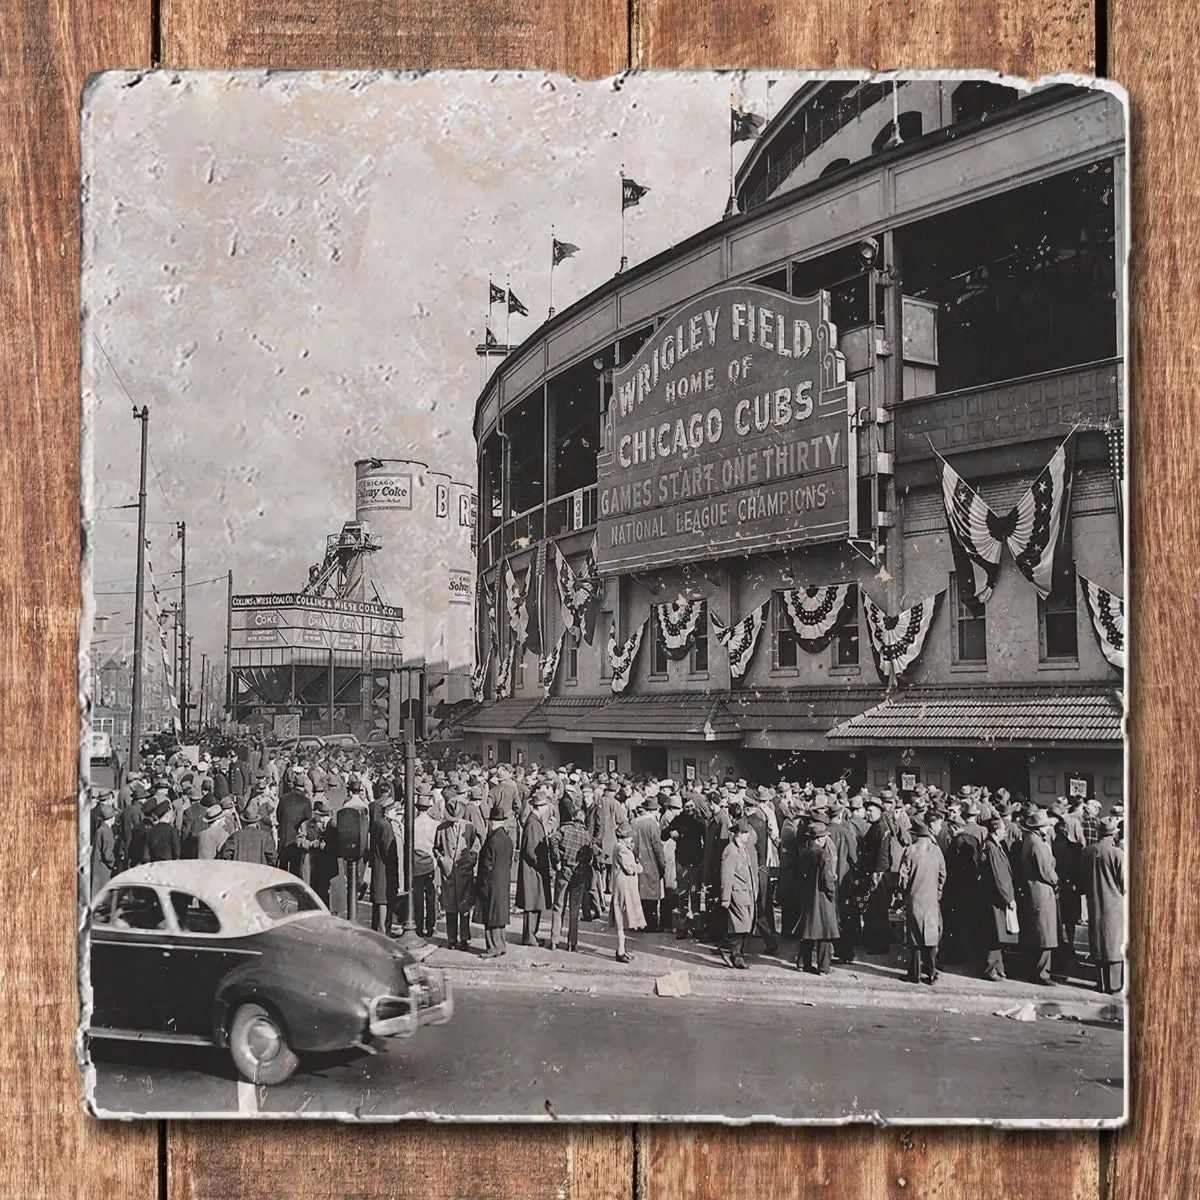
{"x":838,"y":164}
{"x":976,"y":98}
{"x":911,"y":126}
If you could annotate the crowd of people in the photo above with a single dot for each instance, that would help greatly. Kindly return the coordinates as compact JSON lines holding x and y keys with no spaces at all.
{"x":975,"y":878}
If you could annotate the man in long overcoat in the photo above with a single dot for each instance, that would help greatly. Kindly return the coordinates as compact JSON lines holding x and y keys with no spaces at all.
{"x":817,"y":886}
{"x":104,"y":847}
{"x":738,"y":895}
{"x":1037,"y":903}
{"x":535,"y":888}
{"x":456,"y":850}
{"x":647,"y":845}
{"x":845,"y":840}
{"x":996,"y":899}
{"x":385,"y":869}
{"x":922,"y":878}
{"x":1102,"y":873}
{"x":492,"y":882}
{"x":879,"y":878}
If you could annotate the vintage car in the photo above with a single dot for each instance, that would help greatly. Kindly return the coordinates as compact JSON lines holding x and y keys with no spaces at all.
{"x":247,"y":958}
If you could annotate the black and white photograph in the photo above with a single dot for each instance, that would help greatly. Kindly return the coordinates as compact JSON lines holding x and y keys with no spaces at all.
{"x":604,"y":599}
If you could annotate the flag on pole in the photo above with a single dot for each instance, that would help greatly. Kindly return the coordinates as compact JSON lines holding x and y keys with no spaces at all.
{"x":495,"y":294}
{"x":489,"y":338}
{"x":515,"y":305}
{"x":744,"y":126}
{"x":741,"y":638}
{"x":631,"y":193}
{"x":560,"y":250}
{"x":1107,"y":611}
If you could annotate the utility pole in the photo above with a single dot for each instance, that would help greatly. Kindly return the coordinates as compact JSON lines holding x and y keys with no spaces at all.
{"x":187,"y":676}
{"x":135,"y":706}
{"x":229,"y":648}
{"x":185,"y":682}
{"x":409,"y":939}
{"x":203,"y":692}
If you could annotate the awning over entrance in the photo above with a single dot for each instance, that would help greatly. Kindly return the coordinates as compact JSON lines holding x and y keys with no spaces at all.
{"x":674,"y":716}
{"x":506,"y":716}
{"x":798,"y":718}
{"x":997,"y":718}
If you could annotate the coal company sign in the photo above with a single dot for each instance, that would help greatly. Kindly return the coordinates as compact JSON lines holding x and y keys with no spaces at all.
{"x":731,"y":431}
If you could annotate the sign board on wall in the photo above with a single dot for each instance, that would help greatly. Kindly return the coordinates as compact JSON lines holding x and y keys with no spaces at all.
{"x":287,"y":620}
{"x":383,"y":491}
{"x":730,"y":431}
{"x":460,"y":586}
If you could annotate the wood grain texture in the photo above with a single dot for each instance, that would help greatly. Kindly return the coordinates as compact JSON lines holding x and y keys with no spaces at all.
{"x":587,"y":37}
{"x":1026,"y":38}
{"x":434,"y":1162}
{"x":1153,"y":54}
{"x":48,"y":1145}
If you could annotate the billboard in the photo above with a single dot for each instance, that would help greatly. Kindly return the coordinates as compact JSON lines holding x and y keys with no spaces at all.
{"x":292,"y":621}
{"x":730,"y":431}
{"x":373,"y":492}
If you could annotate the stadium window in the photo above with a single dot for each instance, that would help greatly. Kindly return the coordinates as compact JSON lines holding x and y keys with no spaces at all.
{"x":838,"y":164}
{"x":658,"y":648}
{"x":1058,"y":629}
{"x":784,"y":646}
{"x":699,"y":661}
{"x":571,"y":654}
{"x":970,"y":628}
{"x":845,"y":634}
{"x":910,"y":129}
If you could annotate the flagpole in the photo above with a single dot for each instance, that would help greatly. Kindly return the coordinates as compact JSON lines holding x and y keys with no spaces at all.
{"x":624,"y":260}
{"x":551,"y":312}
{"x":507,"y":309}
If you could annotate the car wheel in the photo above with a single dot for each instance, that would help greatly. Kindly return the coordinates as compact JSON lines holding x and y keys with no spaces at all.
{"x":259,"y":1046}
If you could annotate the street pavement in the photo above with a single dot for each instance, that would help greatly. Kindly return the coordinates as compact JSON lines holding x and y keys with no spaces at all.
{"x":526,"y":1054}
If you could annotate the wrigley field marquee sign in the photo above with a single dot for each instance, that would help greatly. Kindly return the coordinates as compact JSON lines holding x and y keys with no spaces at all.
{"x":730,"y":432}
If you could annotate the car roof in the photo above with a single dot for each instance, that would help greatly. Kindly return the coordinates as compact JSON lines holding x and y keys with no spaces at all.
{"x":228,"y":888}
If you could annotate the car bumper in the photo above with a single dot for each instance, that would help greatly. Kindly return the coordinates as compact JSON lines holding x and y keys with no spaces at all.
{"x":385,"y":1022}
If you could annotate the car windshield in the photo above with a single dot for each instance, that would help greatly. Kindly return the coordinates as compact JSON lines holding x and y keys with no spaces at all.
{"x":286,"y":900}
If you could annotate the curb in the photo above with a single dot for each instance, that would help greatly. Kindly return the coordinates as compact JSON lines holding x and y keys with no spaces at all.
{"x":807,"y":994}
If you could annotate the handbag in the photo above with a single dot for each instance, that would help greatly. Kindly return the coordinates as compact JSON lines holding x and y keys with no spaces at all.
{"x":1011,"y":924}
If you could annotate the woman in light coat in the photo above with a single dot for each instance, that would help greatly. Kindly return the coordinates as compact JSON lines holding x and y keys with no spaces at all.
{"x":626,"y":895}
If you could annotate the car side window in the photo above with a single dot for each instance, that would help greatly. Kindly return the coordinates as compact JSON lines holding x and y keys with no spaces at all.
{"x":193,"y":915}
{"x":103,"y":909}
{"x":137,"y":908}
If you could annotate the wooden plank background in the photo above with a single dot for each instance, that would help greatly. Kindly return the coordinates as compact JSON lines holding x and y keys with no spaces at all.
{"x":48,"y":1147}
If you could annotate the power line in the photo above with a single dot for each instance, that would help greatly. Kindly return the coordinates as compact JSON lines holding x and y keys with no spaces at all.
{"x":197,"y":583}
{"x":161,"y":487}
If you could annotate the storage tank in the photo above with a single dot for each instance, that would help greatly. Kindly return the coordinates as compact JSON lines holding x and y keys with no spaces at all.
{"x":424,"y":522}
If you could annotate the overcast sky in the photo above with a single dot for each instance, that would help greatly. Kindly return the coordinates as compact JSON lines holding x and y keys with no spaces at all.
{"x":291,"y":272}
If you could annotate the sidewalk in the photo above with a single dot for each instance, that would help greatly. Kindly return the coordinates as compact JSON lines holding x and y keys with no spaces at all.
{"x":875,"y":981}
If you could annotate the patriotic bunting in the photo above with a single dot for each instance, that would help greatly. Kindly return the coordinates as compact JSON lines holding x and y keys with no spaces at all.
{"x":479,"y":676}
{"x":896,"y":642}
{"x":976,"y":536}
{"x":622,"y":655}
{"x":815,"y":612}
{"x":508,"y":665}
{"x":741,"y":638}
{"x":548,"y":664}
{"x":515,"y":606}
{"x":1039,"y":515}
{"x":577,"y":594}
{"x":1032,"y":529}
{"x":1108,"y":620}
{"x":678,"y":621}
{"x":534,"y":607}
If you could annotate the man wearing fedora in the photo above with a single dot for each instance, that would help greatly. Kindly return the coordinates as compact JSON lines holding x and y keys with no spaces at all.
{"x":997,"y":900}
{"x":922,"y":879}
{"x":1037,"y":901}
{"x":535,"y":886}
{"x":424,"y":886}
{"x":817,"y":926}
{"x":1102,"y":872}
{"x":492,"y":880}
